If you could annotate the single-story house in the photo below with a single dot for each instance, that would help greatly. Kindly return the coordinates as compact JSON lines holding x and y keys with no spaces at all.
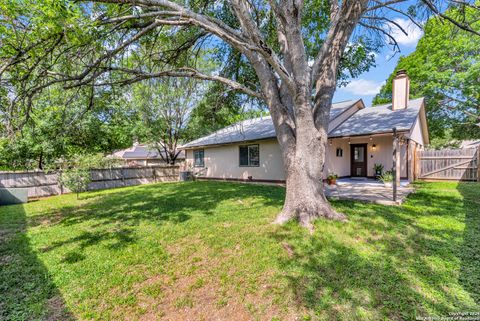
{"x":359,"y":137}
{"x":142,"y":155}
{"x":465,"y":144}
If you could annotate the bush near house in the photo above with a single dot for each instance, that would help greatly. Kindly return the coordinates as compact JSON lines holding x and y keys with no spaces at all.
{"x":203,"y":250}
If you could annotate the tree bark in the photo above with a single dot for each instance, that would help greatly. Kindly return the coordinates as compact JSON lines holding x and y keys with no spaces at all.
{"x":304,"y":163}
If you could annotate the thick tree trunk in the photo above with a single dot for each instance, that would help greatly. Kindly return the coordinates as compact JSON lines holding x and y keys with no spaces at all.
{"x":305,"y":199}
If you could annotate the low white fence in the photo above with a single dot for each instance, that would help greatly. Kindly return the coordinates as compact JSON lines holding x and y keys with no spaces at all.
{"x":41,"y":183}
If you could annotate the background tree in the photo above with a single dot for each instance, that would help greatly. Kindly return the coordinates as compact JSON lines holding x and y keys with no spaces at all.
{"x":76,"y":174}
{"x":164,"y":106}
{"x":63,"y":124}
{"x":76,"y":179}
{"x":294,"y":49}
{"x":445,"y":68}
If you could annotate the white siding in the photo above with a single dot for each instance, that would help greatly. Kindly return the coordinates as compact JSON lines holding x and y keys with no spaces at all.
{"x":416,"y":132}
{"x":223,"y":162}
{"x":382,"y":155}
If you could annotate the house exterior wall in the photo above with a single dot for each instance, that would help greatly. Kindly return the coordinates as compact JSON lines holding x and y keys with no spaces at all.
{"x":416,"y":133}
{"x":382,"y":154}
{"x":148,"y":162}
{"x":222,"y":162}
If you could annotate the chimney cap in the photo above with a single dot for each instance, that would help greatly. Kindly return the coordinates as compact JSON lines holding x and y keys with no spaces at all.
{"x":402,"y":72}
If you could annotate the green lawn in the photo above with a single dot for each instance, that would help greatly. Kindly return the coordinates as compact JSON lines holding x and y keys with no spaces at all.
{"x":207,"y":250}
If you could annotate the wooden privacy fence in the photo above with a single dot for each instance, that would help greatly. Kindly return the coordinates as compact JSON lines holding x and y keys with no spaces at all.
{"x":448,"y":164}
{"x":41,"y":184}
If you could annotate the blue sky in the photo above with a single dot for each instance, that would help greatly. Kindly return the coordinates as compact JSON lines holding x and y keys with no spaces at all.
{"x":369,"y":83}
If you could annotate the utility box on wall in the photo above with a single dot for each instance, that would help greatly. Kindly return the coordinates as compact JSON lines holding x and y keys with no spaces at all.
{"x":10,"y":196}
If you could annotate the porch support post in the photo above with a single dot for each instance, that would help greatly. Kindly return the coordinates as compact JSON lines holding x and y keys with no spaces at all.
{"x":411,"y":160}
{"x":396,"y":163}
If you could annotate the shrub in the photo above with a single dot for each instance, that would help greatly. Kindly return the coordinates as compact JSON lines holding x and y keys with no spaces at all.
{"x":387,"y":177}
{"x":332,"y":176}
{"x":76,"y":179}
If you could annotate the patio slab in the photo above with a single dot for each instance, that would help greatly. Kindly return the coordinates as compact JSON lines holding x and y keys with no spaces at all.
{"x":367,"y":191}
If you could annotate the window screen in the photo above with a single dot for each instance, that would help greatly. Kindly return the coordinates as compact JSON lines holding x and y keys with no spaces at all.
{"x":199,"y":158}
{"x":249,"y":155}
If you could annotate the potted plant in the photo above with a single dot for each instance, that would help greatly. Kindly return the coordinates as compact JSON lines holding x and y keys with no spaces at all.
{"x":332,"y":178}
{"x":387,"y":178}
{"x":378,"y":169}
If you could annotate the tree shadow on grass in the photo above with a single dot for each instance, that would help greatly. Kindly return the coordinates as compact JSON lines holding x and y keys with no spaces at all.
{"x":386,"y":262}
{"x":112,"y":216}
{"x":470,"y":268}
{"x":27,"y":290}
{"x":165,"y":202}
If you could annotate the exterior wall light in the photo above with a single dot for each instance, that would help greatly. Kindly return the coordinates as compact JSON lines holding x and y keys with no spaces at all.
{"x":374,"y":147}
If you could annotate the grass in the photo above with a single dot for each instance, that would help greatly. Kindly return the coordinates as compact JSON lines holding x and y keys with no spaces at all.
{"x":207,"y":250}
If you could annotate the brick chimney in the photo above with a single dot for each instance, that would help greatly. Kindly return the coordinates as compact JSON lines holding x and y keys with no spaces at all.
{"x":400,"y":90}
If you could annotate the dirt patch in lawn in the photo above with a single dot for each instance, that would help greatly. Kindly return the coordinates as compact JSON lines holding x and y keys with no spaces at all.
{"x":193,"y":298}
{"x":56,"y":309}
{"x":205,"y":287}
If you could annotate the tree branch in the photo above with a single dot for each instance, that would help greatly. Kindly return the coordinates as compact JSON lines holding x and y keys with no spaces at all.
{"x":462,"y":26}
{"x":179,"y":72}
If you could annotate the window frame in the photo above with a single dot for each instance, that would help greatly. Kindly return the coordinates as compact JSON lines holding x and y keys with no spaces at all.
{"x":248,"y":155}
{"x":195,"y":151}
{"x":339,"y":152}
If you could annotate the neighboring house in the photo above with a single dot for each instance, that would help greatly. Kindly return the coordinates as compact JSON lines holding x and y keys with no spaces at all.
{"x":359,"y":137}
{"x":464,"y":144}
{"x":143,"y":155}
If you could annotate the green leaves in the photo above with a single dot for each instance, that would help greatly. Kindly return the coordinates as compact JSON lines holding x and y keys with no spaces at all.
{"x":445,"y":68}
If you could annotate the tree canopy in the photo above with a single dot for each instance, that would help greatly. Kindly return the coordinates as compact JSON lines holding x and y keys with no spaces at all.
{"x":445,"y":68}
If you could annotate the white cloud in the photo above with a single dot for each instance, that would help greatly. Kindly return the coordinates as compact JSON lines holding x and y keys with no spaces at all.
{"x":363,"y":87}
{"x":414,"y":32}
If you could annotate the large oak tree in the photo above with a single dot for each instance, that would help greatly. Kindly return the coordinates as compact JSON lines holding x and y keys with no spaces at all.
{"x":294,"y":48}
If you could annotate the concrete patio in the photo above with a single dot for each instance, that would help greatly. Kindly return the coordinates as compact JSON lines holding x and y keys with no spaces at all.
{"x":367,"y":190}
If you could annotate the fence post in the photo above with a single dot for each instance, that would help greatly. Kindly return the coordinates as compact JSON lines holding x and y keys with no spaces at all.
{"x":59,"y":181}
{"x":478,"y":163}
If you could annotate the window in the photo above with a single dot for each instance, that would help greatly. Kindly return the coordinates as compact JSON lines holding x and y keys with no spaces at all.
{"x":198,"y":156}
{"x":249,"y":155}
{"x":358,"y":154}
{"x":339,"y":152}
